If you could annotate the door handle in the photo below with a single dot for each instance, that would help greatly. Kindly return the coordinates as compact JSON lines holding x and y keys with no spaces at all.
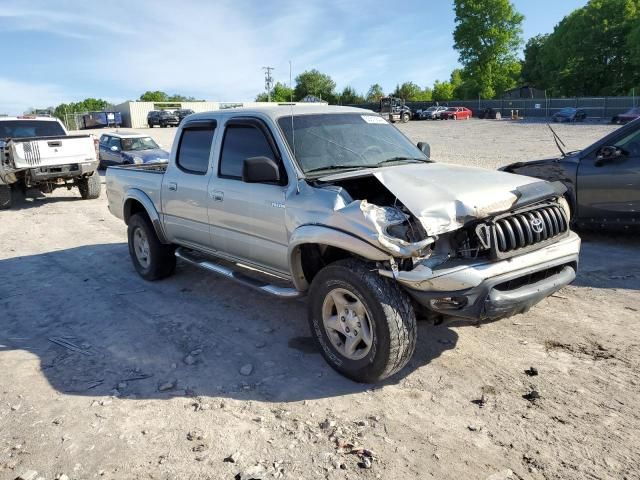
{"x":217,"y":195}
{"x":173,"y":186}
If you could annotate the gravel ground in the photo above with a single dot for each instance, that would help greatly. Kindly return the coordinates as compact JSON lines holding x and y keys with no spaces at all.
{"x":104,"y":375}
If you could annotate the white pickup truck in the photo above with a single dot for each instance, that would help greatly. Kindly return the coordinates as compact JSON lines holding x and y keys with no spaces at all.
{"x":37,"y":152}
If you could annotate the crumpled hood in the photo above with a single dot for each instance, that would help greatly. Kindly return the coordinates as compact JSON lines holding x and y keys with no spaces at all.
{"x":443,"y":197}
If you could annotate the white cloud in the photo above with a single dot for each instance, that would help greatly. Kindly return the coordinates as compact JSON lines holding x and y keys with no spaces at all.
{"x":17,"y":97}
{"x":215,"y":50}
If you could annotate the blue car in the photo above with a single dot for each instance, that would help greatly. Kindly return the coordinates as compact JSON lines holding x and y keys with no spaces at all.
{"x":129,"y":149}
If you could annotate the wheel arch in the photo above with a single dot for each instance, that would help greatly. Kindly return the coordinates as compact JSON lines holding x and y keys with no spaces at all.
{"x":311,"y":247}
{"x":136,"y":202}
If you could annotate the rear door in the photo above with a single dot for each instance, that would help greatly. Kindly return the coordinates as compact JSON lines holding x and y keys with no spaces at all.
{"x":184,"y":186}
{"x":248,"y":220}
{"x":609,"y":190}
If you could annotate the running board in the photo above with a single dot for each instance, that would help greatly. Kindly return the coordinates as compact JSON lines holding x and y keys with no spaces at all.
{"x":206,"y":264}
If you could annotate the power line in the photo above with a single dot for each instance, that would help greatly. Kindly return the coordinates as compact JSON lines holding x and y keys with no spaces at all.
{"x":268,"y":81}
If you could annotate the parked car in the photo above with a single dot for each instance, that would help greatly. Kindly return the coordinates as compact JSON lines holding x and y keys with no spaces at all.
{"x":182,"y":113}
{"x":569,"y":114}
{"x":490,"y":113}
{"x":358,"y":218}
{"x":456,"y":113}
{"x":627,"y":116}
{"x":603,"y":180}
{"x":432,"y":113}
{"x":38,"y":152}
{"x":130,"y":148}
{"x":163,"y":118}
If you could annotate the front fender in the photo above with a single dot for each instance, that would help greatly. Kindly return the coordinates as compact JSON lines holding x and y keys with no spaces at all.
{"x":135,"y":195}
{"x":323,"y":235}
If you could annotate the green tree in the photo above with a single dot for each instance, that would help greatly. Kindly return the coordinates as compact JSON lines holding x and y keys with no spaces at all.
{"x":591,"y":51}
{"x":154,"y":96}
{"x":313,"y":82}
{"x":280,"y":93}
{"x":407,"y":91}
{"x":442,"y":91}
{"x":487,"y":37}
{"x":533,"y":71}
{"x":375,"y":93}
{"x":349,"y":96}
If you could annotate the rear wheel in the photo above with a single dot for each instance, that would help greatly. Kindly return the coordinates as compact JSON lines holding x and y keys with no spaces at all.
{"x":364,"y":323}
{"x":89,"y":186}
{"x":152,"y":259}
{"x":5,"y":197}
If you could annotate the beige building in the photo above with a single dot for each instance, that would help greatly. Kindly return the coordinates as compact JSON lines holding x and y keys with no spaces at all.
{"x":134,"y":114}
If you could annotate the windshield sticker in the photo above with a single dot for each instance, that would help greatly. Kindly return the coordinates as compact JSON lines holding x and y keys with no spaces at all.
{"x":373,"y":119}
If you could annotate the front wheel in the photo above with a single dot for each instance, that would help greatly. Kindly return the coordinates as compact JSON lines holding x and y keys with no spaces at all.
{"x":405,"y":118}
{"x":5,"y":197}
{"x":364,"y":324}
{"x":89,"y":186}
{"x":152,"y":259}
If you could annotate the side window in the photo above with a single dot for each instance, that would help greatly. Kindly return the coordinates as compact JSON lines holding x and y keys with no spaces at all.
{"x":114,"y":142}
{"x":104,"y":140}
{"x":194,"y":149}
{"x":630,"y":143}
{"x":241,"y":142}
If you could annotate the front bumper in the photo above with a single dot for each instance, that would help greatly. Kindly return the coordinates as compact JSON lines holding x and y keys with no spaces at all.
{"x":491,"y":290}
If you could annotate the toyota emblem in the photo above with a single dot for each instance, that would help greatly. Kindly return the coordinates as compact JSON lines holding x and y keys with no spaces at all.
{"x":536,"y":225}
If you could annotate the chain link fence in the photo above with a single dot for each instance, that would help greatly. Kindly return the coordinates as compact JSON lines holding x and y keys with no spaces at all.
{"x":595,"y":107}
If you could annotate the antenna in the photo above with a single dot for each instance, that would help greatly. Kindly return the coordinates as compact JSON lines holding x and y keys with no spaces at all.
{"x":268,"y":81}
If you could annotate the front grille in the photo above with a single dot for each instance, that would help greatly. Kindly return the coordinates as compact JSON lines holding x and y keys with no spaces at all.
{"x":516,"y":232}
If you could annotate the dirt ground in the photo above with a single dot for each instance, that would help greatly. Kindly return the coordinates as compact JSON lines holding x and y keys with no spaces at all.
{"x":104,"y":375}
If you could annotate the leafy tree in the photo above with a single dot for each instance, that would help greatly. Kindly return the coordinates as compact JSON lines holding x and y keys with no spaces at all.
{"x":487,"y":37}
{"x":442,"y":91}
{"x":313,"y":82}
{"x":407,"y":91}
{"x":349,"y":96}
{"x":280,"y":93}
{"x":375,"y":93}
{"x":182,"y":98}
{"x":154,"y":96}
{"x":86,"y":105}
{"x":592,"y":51}
{"x":533,"y":64}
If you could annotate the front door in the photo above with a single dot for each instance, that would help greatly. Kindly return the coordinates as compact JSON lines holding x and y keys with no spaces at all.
{"x":248,"y":219}
{"x":184,"y":187}
{"x":609,"y":188}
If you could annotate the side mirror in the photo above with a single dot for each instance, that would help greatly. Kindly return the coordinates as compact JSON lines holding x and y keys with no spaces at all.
{"x":260,"y":170}
{"x":607,"y":153}
{"x":425,"y":148}
{"x":114,"y":149}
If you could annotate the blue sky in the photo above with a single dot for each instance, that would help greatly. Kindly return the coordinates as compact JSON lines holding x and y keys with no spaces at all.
{"x":67,"y":50}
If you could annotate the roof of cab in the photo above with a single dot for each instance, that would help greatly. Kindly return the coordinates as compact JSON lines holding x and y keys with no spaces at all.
{"x":278,"y":110}
{"x":125,"y":134}
{"x":30,"y":117}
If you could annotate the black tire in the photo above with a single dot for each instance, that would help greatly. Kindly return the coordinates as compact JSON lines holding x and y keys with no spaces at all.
{"x":162,"y":260}
{"x":405,"y":117}
{"x":5,"y":197}
{"x":391,"y":314}
{"x":150,"y":125}
{"x":89,"y":186}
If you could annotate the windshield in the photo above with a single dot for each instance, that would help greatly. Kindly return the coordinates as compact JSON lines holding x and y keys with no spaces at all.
{"x":452,"y":109}
{"x":30,"y":128}
{"x":431,"y":109}
{"x":346,"y":140}
{"x":141,"y":143}
{"x":566,"y":110}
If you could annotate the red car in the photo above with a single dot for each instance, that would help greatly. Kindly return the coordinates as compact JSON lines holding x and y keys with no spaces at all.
{"x":456,"y":113}
{"x":627,"y":116}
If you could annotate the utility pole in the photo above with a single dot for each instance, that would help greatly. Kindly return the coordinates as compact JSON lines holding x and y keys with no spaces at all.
{"x":268,"y":81}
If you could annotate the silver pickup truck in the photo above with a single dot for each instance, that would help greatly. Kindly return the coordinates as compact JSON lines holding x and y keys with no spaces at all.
{"x":337,"y":204}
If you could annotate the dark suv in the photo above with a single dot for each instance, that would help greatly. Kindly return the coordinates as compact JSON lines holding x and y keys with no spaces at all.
{"x":162,"y":118}
{"x":182,"y":113}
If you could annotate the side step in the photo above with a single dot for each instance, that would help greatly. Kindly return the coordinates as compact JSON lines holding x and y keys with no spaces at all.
{"x":207,"y":264}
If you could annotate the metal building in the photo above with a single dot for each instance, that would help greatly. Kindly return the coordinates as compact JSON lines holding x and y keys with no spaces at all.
{"x":134,"y":114}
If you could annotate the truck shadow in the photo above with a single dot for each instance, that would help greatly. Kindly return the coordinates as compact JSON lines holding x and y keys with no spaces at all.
{"x":97,"y":327}
{"x":32,"y":200}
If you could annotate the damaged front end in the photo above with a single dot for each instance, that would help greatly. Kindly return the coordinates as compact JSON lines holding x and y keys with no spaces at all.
{"x":477,"y":254}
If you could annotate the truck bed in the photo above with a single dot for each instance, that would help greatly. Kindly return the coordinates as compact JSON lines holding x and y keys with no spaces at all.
{"x":124,"y":178}
{"x":36,"y":152}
